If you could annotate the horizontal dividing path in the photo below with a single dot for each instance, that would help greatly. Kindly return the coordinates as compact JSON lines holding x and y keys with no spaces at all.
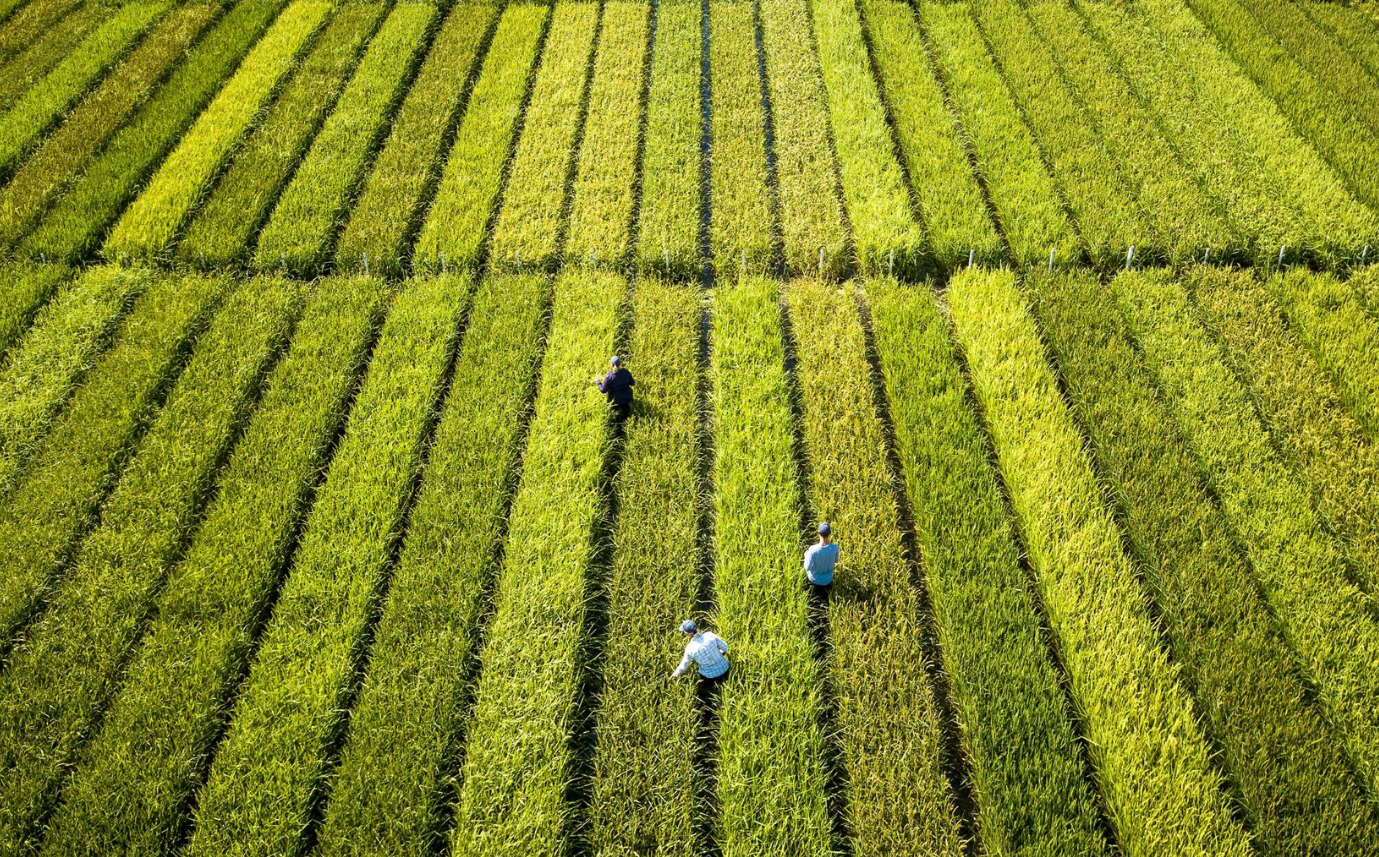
{"x":266,"y":781}
{"x":645,"y":784}
{"x":1301,"y":572}
{"x":458,"y":220}
{"x":519,"y":750}
{"x":771,"y":774}
{"x":222,"y":230}
{"x":1284,"y":760}
{"x":1154,"y":766}
{"x":387,"y":796}
{"x":944,"y":187}
{"x":27,"y":67}
{"x":897,"y":799}
{"x":131,"y":792}
{"x":1004,"y":685}
{"x":382,"y":221}
{"x":45,"y":515}
{"x":25,"y":287}
{"x":1312,"y":431}
{"x":60,"y":680}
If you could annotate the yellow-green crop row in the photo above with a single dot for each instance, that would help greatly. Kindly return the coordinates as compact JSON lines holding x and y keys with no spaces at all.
{"x":150,"y":225}
{"x":24,"y":288}
{"x":25,"y":69}
{"x":223,"y":229}
{"x":383,"y":222}
{"x":644,"y":788}
{"x":306,"y":219}
{"x":1004,"y":684}
{"x":1303,"y":576}
{"x":458,"y":220}
{"x":1365,"y":283}
{"x":270,"y":767}
{"x":386,"y":797}
{"x":1352,"y":26}
{"x":136,"y":778}
{"x":69,"y":663}
{"x":25,"y":22}
{"x":771,"y":769}
{"x":1282,"y":757}
{"x":1162,"y":790}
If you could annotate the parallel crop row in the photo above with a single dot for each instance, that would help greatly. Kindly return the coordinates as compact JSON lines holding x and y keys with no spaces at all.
{"x":138,"y":774}
{"x":1282,"y":756}
{"x":60,"y":678}
{"x":29,"y":66}
{"x":1154,"y":766}
{"x":269,"y":769}
{"x":24,"y":289}
{"x":1352,"y":26}
{"x":1004,"y":685}
{"x":27,"y":24}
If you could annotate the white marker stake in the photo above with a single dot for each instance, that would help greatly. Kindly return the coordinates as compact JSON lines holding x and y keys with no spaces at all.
{"x":821,"y":263}
{"x":1363,"y":254}
{"x":1206,"y":255}
{"x":1051,"y":252}
{"x":442,"y":263}
{"x":1129,"y":257}
{"x":1280,"y":255}
{"x":666,"y":253}
{"x":366,"y":264}
{"x":970,"y":253}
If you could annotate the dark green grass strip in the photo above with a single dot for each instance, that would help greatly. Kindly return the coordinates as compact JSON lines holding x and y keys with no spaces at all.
{"x":1284,"y":760}
{"x":131,"y":792}
{"x":76,"y":223}
{"x":387,"y":796}
{"x":27,"y":68}
{"x":79,"y":463}
{"x":771,"y":774}
{"x":1004,"y":684}
{"x":897,"y":797}
{"x":29,"y":22}
{"x":383,"y":221}
{"x":268,"y":773}
{"x":24,"y":289}
{"x":222,"y":231}
{"x":60,"y":680}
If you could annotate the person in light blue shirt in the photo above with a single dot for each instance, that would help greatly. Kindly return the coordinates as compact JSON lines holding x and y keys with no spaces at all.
{"x":820,"y":559}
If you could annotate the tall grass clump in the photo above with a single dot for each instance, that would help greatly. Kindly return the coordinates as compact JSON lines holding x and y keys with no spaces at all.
{"x":527,"y":228}
{"x":27,"y":67}
{"x":25,"y":21}
{"x":1161,"y":788}
{"x":1325,"y":619}
{"x":887,"y":720}
{"x":884,"y":231}
{"x":1024,"y":194}
{"x":644,"y":785}
{"x":944,"y":187}
{"x":458,"y":220}
{"x":75,"y":224}
{"x":1351,"y":26}
{"x":742,"y":220}
{"x":1004,"y":685}
{"x":149,"y":226}
{"x":223,"y":230}
{"x":58,"y":159}
{"x":269,"y":769}
{"x":133,"y":788}
{"x":387,"y":795}
{"x":24,"y":288}
{"x":62,"y":675}
{"x":1282,"y":757}
{"x":382,"y":222}
{"x":806,"y":174}
{"x":601,"y":208}
{"x":536,"y":643}
{"x":304,"y":223}
{"x":47,"y":365}
{"x":771,"y":771}
{"x":668,"y":221}
{"x":1365,"y":283}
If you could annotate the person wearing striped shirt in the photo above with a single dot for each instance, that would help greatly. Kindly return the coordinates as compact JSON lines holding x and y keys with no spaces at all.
{"x":706,"y":650}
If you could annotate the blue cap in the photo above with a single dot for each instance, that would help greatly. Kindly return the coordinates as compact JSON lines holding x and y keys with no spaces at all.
{"x":615,"y":361}
{"x":688,"y":626}
{"x":825,"y":529}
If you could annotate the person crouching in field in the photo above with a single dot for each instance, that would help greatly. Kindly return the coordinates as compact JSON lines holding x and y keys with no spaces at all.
{"x":819,"y":561}
{"x":617,"y":386}
{"x":706,"y":650}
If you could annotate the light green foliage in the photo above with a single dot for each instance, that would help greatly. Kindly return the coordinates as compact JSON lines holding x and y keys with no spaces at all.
{"x":1281,"y":755}
{"x":602,"y":204}
{"x":1016,"y":733}
{"x":300,"y":232}
{"x":528,"y":227}
{"x":1154,"y":766}
{"x":150,"y":224}
{"x":1365,"y":283}
{"x":269,"y":767}
{"x":1353,"y":26}
{"x":878,"y":203}
{"x":69,"y":664}
{"x":644,"y":787}
{"x":1301,"y":573}
{"x":770,"y":739}
{"x":223,"y":230}
{"x":669,"y":219}
{"x":945,"y":189}
{"x":468,"y":192}
{"x":384,"y":219}
{"x":137,"y":775}
{"x":897,"y":798}
{"x":58,"y":41}
{"x":24,"y":289}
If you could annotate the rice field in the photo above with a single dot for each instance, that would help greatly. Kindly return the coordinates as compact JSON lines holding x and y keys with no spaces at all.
{"x":318,"y":539}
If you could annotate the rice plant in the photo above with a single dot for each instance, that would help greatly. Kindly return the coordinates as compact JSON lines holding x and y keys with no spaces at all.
{"x":1352,"y":27}
{"x":24,"y":289}
{"x":29,"y":66}
{"x":26,"y":20}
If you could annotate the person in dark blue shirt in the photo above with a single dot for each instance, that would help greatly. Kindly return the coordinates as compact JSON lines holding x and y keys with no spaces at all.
{"x":617,"y":386}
